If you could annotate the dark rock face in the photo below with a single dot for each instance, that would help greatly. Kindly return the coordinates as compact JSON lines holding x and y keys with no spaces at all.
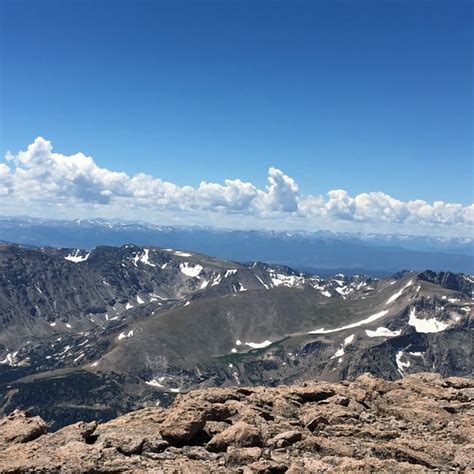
{"x":452,"y":281}
{"x":71,"y":397}
{"x":137,"y":325}
{"x":422,"y":423}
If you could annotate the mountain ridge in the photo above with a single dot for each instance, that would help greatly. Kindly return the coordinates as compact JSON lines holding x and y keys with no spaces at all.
{"x":141,"y":324}
{"x":321,"y":251}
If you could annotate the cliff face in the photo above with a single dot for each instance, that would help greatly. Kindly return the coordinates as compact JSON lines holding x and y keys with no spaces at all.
{"x":420,"y":423}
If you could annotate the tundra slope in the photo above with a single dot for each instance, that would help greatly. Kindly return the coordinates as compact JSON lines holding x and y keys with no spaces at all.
{"x":97,"y":333}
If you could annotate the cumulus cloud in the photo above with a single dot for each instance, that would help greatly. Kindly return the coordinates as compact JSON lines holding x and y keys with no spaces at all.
{"x":378,"y":207}
{"x":39,"y":175}
{"x":234,"y":195}
{"x":5,"y":179}
{"x":281,"y":194}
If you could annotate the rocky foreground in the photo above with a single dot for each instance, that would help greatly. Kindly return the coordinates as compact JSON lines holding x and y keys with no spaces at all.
{"x":420,"y":423}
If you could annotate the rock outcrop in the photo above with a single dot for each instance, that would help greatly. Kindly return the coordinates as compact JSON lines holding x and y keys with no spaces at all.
{"x":417,"y":424}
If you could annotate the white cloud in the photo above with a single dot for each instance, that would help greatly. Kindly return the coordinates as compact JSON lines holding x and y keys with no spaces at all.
{"x":234,"y":195}
{"x":5,"y":180}
{"x":340,"y":205}
{"x":40,"y":176}
{"x":377,"y":207}
{"x":281,"y":193}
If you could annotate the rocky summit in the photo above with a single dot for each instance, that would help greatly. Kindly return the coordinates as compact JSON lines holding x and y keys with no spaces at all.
{"x":421,"y":423}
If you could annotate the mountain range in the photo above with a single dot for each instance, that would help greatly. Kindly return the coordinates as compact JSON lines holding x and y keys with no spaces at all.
{"x":321,"y":252}
{"x":93,"y":333}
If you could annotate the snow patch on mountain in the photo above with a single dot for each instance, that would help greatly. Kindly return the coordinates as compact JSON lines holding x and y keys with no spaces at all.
{"x":258,"y":345}
{"x":340,"y":352}
{"x":155,"y":383}
{"x":189,"y":270}
{"x":217,"y":280}
{"x":399,"y":293}
{"x":368,"y":320}
{"x":178,"y":253}
{"x":76,"y":257}
{"x":9,"y":359}
{"x":143,"y":258}
{"x":426,"y":325}
{"x":262,"y":282}
{"x":401,"y":366}
{"x":124,"y":335}
{"x":382,"y":332}
{"x":278,"y":279}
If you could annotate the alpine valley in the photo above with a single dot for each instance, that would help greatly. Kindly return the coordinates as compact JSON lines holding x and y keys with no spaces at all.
{"x":92,"y":334}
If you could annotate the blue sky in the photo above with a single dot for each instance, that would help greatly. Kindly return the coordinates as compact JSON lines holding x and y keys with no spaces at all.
{"x":363,"y":96}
